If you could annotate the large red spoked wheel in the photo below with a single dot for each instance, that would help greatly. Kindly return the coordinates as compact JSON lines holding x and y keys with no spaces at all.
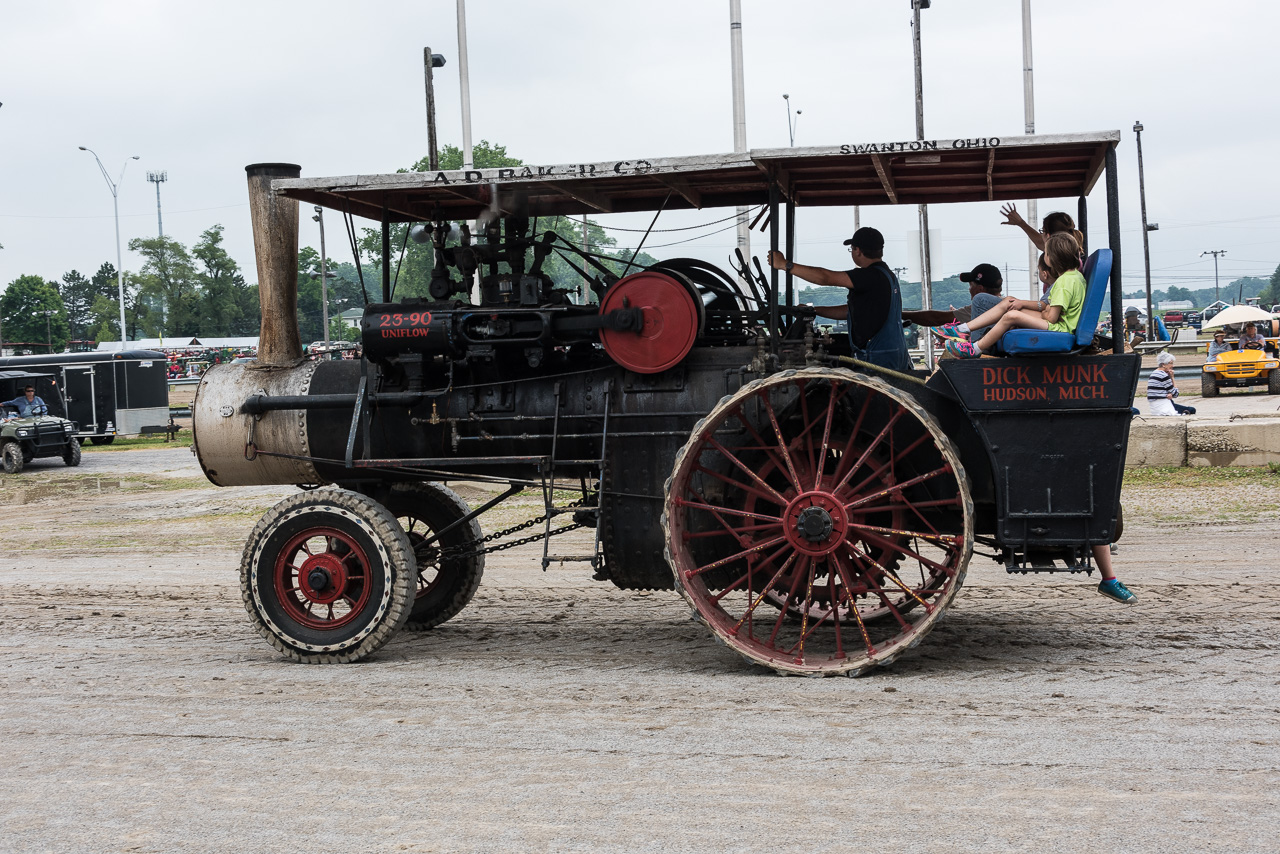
{"x":447,"y":575}
{"x":673,"y":316}
{"x":819,"y":522}
{"x":327,"y":576}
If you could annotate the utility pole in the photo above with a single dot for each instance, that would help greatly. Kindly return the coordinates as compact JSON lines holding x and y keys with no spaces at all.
{"x":158,"y":178}
{"x":1029,"y":114}
{"x":1215,"y":253}
{"x":324,"y":274}
{"x":48,"y":327}
{"x":740,"y":113}
{"x":926,"y":273}
{"x":431,"y":61}
{"x":1146,"y":244}
{"x":464,"y":81}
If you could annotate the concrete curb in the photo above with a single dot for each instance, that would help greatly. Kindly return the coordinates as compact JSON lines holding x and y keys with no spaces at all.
{"x":1237,"y":440}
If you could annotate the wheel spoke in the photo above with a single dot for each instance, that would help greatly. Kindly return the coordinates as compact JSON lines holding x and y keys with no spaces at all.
{"x":724,"y":560}
{"x":853,"y":604}
{"x":870,"y":535}
{"x":746,"y":529}
{"x":898,"y":487}
{"x":769,"y":492}
{"x":889,"y":574}
{"x":782,"y":443}
{"x":889,"y":464}
{"x":840,"y":484}
{"x":763,"y":445}
{"x":746,"y":617}
{"x":808,"y":600}
{"x":786,"y":603}
{"x":746,"y":514}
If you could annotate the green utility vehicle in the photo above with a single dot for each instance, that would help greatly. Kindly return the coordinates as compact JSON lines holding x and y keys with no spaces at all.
{"x":25,"y":438}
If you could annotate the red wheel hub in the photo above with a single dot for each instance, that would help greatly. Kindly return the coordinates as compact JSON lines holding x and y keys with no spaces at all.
{"x":672,"y":321}
{"x":815,"y":523}
{"x":322,"y":578}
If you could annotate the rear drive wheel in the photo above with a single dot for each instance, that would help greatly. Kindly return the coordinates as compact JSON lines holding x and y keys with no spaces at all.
{"x":327,"y":576}
{"x":1208,"y":385}
{"x":71,"y":456}
{"x":14,"y":458}
{"x":833,"y":498}
{"x":445,"y":583}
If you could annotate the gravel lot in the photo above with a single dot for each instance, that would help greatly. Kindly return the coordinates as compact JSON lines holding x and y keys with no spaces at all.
{"x":142,"y":713}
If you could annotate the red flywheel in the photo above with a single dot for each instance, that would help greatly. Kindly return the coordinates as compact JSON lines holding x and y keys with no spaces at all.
{"x":673,"y":318}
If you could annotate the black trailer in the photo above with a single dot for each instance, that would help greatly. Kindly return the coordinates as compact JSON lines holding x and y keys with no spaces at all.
{"x":818,"y":513}
{"x":108,"y":393}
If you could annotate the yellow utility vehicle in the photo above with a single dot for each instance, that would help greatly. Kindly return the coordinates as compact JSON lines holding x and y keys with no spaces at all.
{"x":1240,"y":368}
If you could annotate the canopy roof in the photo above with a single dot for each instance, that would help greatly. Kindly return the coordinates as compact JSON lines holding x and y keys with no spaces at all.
{"x":881,"y":173}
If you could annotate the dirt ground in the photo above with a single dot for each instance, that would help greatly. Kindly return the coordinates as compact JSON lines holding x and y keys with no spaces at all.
{"x":142,"y":713}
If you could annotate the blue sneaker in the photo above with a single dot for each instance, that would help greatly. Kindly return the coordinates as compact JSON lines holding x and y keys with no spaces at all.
{"x":1113,"y":589}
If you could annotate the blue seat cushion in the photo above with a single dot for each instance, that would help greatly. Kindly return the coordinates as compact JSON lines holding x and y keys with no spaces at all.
{"x":1020,"y":342}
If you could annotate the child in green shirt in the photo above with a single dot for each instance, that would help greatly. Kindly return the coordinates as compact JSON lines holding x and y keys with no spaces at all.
{"x":1059,"y":267}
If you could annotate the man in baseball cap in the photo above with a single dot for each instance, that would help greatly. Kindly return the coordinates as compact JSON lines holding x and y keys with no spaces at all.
{"x":985,"y":284}
{"x":874,"y":307}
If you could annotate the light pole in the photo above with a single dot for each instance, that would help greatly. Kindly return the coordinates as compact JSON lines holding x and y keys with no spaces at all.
{"x":926,"y":273}
{"x":1029,"y":115}
{"x":1146,"y":243}
{"x":738,"y":89}
{"x":114,"y":186}
{"x":791,"y":124}
{"x":464,"y":82}
{"x":429,"y":61}
{"x":324,"y":274}
{"x":48,"y":327}
{"x":1215,"y":253}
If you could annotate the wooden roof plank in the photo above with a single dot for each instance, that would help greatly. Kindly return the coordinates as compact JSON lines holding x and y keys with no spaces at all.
{"x":886,"y":177}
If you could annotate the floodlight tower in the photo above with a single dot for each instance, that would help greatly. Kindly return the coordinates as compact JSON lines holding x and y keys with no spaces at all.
{"x":158,"y":178}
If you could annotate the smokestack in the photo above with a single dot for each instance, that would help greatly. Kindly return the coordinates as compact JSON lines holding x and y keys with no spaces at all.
{"x":275,"y":240}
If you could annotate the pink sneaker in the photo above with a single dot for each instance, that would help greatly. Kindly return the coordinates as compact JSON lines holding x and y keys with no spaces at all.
{"x":950,"y":331}
{"x":963,"y":349}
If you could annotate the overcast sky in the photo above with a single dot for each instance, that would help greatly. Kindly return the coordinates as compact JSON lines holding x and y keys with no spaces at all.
{"x":200,"y":90}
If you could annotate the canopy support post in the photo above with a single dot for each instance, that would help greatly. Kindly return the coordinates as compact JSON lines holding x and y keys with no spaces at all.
{"x":1113,"y":241}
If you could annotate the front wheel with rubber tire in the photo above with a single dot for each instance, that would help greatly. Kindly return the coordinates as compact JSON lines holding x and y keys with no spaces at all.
{"x":71,"y":456}
{"x":1208,"y":385}
{"x":327,"y":576}
{"x":447,"y":577}
{"x":1273,"y":382}
{"x":14,"y":458}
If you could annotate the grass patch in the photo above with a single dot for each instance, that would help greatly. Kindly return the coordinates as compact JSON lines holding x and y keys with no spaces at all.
{"x":1208,"y":476}
{"x":182,"y":440}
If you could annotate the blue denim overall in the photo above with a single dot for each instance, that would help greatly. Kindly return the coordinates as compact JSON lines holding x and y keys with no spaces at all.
{"x":888,"y":347}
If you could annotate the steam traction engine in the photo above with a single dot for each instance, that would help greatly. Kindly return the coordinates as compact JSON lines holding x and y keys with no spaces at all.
{"x":818,"y":514}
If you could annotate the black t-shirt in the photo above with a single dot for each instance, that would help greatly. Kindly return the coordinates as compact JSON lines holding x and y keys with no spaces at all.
{"x":869,"y":301}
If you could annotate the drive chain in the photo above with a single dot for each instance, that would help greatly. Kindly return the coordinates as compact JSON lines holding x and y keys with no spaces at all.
{"x":479,"y":549}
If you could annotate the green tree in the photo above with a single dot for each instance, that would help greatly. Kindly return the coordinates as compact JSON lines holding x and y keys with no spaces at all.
{"x":77,"y":295}
{"x":167,"y":288}
{"x":1270,"y":295}
{"x":225,"y":304}
{"x":1179,"y":294}
{"x":22,"y":307}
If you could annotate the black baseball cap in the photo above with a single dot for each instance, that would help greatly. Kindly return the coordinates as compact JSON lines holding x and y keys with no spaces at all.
{"x":986,"y":275}
{"x":869,"y":240}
